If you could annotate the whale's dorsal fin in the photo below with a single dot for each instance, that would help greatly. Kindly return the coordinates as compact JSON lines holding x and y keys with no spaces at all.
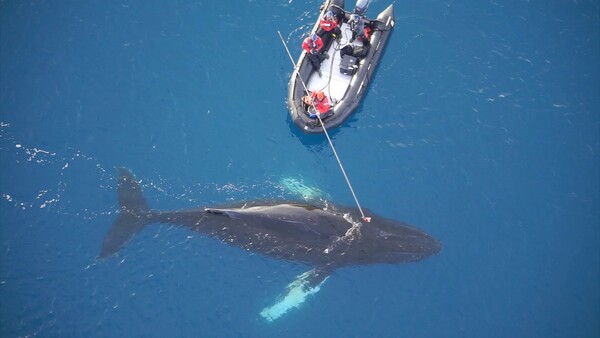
{"x":221,"y":212}
{"x":215,"y":211}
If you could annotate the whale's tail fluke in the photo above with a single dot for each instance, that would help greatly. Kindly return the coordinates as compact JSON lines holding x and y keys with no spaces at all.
{"x":134,"y":214}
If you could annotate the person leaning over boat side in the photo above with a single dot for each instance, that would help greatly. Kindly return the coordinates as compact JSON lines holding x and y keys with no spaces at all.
{"x":329,"y":25}
{"x":320,"y":101}
{"x":357,"y":25}
{"x":313,"y":45}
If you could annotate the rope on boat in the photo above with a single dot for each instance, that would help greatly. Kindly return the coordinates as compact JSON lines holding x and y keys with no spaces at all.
{"x":365,"y":218}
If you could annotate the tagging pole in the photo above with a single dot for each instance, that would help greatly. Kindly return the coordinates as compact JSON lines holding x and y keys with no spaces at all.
{"x":362,"y":214}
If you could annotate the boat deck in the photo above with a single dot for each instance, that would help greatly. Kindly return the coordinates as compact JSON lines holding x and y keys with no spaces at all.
{"x":333,"y":82}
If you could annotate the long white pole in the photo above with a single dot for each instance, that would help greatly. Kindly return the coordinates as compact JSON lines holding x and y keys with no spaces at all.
{"x":365,"y":218}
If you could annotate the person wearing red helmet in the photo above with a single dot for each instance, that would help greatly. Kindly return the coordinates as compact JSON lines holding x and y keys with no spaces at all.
{"x":320,"y":101}
{"x":313,"y":45}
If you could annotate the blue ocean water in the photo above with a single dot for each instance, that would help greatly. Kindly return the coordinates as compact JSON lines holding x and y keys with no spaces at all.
{"x":481,"y":127}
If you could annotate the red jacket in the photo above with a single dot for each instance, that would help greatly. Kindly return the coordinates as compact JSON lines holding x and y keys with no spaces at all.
{"x":308,"y":45}
{"x":327,"y":25}
{"x":322,"y":105}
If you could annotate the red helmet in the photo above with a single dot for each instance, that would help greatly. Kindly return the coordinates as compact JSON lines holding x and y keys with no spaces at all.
{"x":320,"y":95}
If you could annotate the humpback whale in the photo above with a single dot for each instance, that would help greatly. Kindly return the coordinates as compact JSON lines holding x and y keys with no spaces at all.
{"x":324,"y":237}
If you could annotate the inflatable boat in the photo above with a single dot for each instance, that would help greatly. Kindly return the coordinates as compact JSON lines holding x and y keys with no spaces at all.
{"x":344,"y":80}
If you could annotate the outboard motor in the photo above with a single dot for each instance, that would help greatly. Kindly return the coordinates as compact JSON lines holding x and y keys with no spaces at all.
{"x":361,"y":7}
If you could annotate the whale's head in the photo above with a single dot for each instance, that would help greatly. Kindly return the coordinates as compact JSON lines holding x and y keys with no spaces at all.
{"x":388,"y":241}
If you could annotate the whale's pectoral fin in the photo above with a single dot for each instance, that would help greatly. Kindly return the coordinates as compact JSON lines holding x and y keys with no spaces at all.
{"x":304,"y":285}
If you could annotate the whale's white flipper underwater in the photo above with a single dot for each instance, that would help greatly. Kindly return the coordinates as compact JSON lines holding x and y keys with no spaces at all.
{"x":322,"y":237}
{"x":296,"y":294}
{"x":298,"y":187}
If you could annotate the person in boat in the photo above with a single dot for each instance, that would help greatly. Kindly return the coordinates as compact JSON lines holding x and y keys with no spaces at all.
{"x":357,"y":26}
{"x":329,"y":25}
{"x":313,"y":45}
{"x":319,"y":100}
